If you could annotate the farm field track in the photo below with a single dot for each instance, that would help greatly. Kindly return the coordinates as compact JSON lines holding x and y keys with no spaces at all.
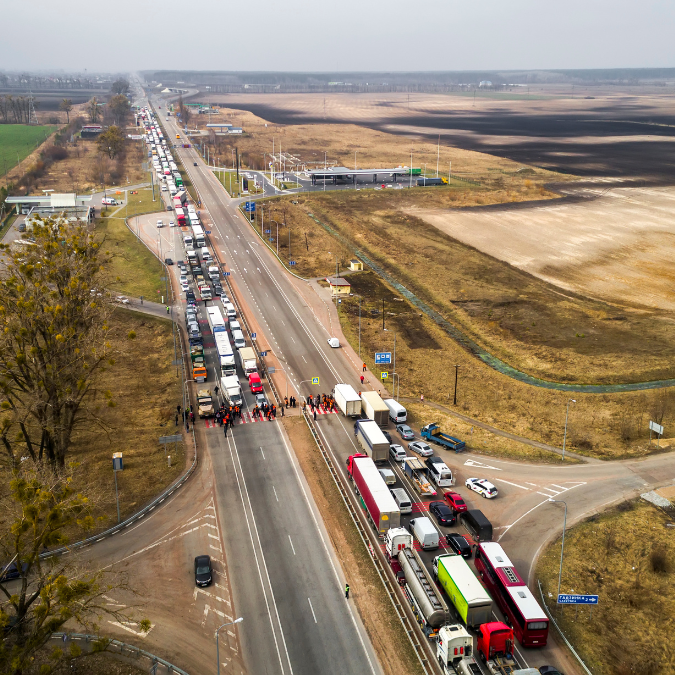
{"x":17,"y":141}
{"x":592,"y":131}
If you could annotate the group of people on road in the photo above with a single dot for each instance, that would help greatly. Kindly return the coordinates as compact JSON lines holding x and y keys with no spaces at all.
{"x":267,"y":410}
{"x":290,"y":402}
{"x":226,"y":415}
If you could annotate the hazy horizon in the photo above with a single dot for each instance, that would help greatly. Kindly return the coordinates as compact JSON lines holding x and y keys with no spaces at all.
{"x":351,"y":36}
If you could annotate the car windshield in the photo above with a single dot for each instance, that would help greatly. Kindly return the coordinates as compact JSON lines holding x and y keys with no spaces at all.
{"x":458,"y":501}
{"x":203,"y":569}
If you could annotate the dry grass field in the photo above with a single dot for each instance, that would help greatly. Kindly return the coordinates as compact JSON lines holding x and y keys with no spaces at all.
{"x":626,"y":557}
{"x":618,"y":244}
{"x":607,"y":426}
{"x":530,"y":324}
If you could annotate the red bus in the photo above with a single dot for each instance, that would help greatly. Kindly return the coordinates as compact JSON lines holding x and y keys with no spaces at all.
{"x":520,"y":608}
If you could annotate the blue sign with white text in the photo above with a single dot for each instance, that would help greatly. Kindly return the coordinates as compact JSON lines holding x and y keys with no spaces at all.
{"x":572,"y":599}
{"x":382,"y":357}
{"x":249,"y":206}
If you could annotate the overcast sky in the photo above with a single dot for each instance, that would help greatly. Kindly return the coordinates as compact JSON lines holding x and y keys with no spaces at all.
{"x":340,"y":35}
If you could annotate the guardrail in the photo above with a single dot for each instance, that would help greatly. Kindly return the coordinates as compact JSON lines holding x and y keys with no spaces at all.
{"x":123,"y":649}
{"x":562,"y":635}
{"x":408,"y":626}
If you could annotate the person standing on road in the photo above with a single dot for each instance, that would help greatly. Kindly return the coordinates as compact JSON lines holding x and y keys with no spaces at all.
{"x":282,"y":411}
{"x":347,"y":591}
{"x":362,"y":378}
{"x":225,"y":429}
{"x":364,"y":367}
{"x":314,"y":411}
{"x":168,"y":309}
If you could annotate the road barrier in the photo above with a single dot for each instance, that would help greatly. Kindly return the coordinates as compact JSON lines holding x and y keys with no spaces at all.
{"x":121,"y":649}
{"x":375,"y":553}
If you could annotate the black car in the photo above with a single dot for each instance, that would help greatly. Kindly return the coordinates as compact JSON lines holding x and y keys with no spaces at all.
{"x":387,"y":435}
{"x":195,"y":163}
{"x":458,"y":544}
{"x":444,"y":514}
{"x":203,"y":575}
{"x":168,"y":261}
{"x":12,"y":571}
{"x":190,"y":295}
{"x":549,"y":670}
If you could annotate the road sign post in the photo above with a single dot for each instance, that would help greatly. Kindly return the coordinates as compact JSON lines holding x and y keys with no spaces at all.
{"x":657,"y":429}
{"x":577,"y":599}
{"x":384,"y":375}
{"x":315,"y":380}
{"x":382,"y":358}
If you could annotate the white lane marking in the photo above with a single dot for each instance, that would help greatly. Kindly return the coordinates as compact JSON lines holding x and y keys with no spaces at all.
{"x":501,"y":480}
{"x":126,"y":626}
{"x":197,"y":591}
{"x":258,"y":553}
{"x":262,"y":453}
{"x":291,"y":541}
{"x":292,"y":338}
{"x":532,"y":484}
{"x":543,"y":494}
{"x":508,"y":527}
{"x":480,"y":465}
{"x":312,"y":608}
{"x":559,"y":486}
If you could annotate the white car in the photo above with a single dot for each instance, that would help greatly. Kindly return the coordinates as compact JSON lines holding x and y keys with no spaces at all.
{"x":334,"y":342}
{"x":160,"y":223}
{"x":482,"y":487}
{"x":184,"y":286}
{"x":420,"y":448}
{"x":172,"y":224}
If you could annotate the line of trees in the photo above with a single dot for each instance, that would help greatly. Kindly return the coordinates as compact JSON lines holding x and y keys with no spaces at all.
{"x":15,"y":109}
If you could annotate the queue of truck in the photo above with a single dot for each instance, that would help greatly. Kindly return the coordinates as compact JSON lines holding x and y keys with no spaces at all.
{"x":449,"y":600}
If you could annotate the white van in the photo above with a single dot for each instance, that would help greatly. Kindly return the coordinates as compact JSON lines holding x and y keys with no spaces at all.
{"x":402,"y":500}
{"x":187,"y":240}
{"x":397,"y":413}
{"x":230,"y":310}
{"x":191,"y":256}
{"x":424,"y":531}
{"x":214,"y":272}
{"x":238,"y":339}
{"x":204,"y":253}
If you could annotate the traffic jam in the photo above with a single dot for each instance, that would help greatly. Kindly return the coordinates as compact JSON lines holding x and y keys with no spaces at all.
{"x":440,"y":548}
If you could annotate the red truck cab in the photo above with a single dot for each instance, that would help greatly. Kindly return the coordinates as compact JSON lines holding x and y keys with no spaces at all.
{"x":255,"y":383}
{"x":495,"y":640}
{"x":350,"y":462}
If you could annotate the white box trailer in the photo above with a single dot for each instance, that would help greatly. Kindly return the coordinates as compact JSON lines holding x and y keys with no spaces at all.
{"x":373,"y":407}
{"x":347,"y":400}
{"x":372,"y":440}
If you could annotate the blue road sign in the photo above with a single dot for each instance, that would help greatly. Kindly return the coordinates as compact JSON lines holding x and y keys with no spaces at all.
{"x":267,"y":231}
{"x":573,"y":599}
{"x":227,"y":274}
{"x":249,"y":206}
{"x":208,"y":231}
{"x":382,"y":357}
{"x":291,"y":262}
{"x":253,"y":336}
{"x":263,"y":353}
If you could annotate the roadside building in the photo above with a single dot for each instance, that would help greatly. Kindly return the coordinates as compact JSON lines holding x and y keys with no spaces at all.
{"x":339,"y":286}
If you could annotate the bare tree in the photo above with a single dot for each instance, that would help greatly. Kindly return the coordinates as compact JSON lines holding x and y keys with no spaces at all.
{"x":66,"y":105}
{"x":94,"y":110}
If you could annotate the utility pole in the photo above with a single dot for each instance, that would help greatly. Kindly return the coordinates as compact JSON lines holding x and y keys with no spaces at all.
{"x":383,"y":328}
{"x":454,"y":402}
{"x":359,"y":327}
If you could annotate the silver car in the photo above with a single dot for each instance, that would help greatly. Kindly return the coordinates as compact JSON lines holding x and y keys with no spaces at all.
{"x":420,"y":448}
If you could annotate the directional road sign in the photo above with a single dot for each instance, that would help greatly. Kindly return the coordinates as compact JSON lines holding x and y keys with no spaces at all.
{"x":227,"y":274}
{"x":382,"y":357}
{"x":315,"y":380}
{"x":253,"y":336}
{"x":249,"y":207}
{"x":208,"y":231}
{"x":572,"y":599}
{"x":291,"y":262}
{"x":656,"y":427}
{"x":263,"y":353}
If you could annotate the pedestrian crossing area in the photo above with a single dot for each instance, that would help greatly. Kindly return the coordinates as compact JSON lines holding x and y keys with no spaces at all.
{"x":321,"y":411}
{"x":248,"y":418}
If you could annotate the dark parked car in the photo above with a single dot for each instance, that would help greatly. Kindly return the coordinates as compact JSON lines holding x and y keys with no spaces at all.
{"x":12,"y":571}
{"x":168,"y":261}
{"x":195,"y":163}
{"x":444,"y":514}
{"x":549,"y":670}
{"x":387,"y":435}
{"x":458,"y":544}
{"x":203,"y":570}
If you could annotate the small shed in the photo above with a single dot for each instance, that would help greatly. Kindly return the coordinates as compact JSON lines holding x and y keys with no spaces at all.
{"x":355,"y":265}
{"x":339,"y":286}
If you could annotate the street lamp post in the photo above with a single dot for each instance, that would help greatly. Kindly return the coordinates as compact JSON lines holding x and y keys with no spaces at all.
{"x":566,"y":416}
{"x":562,"y":549}
{"x":230,"y":623}
{"x":359,"y":327}
{"x":454,"y":402}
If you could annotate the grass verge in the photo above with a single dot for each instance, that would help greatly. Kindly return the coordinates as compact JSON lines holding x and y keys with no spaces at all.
{"x":137,"y":204}
{"x":386,"y":633}
{"x":134,"y":269}
{"x":17,"y":141}
{"x":625,"y":556}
